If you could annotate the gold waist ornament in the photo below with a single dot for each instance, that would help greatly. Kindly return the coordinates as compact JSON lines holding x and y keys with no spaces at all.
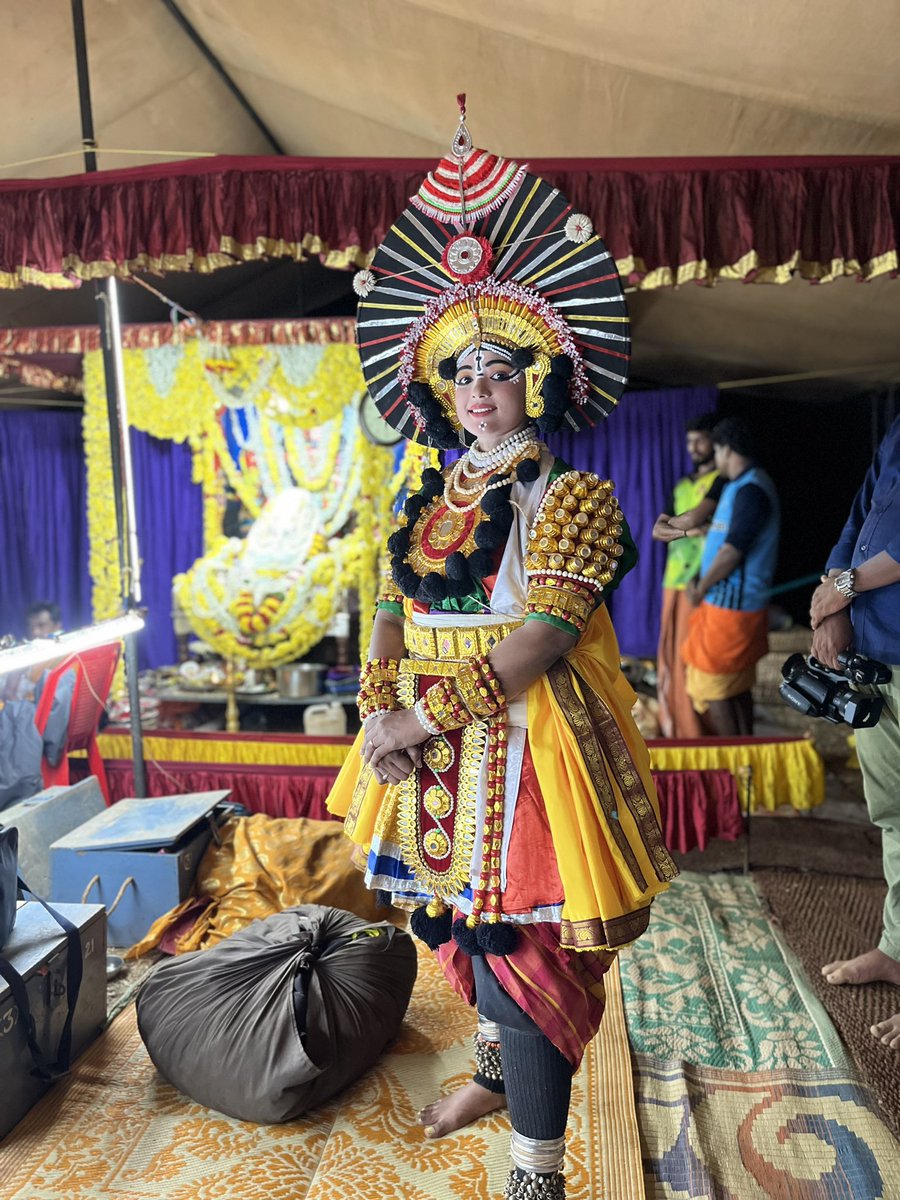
{"x":455,"y":642}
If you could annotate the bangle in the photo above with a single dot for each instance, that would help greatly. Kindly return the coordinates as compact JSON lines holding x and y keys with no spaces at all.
{"x":378,"y":712}
{"x":377,"y":687}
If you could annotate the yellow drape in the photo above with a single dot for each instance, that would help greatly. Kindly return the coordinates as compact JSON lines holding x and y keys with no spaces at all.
{"x":787,"y":772}
{"x":595,"y":877}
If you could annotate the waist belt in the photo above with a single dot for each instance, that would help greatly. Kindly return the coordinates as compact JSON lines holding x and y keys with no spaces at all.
{"x":454,"y":642}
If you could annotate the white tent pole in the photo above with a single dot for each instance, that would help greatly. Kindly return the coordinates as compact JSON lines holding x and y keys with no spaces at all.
{"x":107,"y":297}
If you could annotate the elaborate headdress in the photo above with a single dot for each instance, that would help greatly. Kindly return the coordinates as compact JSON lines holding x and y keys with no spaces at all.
{"x":486,"y":253}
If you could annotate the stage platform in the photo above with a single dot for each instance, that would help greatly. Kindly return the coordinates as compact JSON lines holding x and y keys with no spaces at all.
{"x":704,"y":785}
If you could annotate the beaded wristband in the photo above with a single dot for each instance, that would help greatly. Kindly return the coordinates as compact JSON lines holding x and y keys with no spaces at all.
{"x":369,"y":717}
{"x":480,"y":688}
{"x":423,"y":719}
{"x":442,"y":706}
{"x":475,"y":694}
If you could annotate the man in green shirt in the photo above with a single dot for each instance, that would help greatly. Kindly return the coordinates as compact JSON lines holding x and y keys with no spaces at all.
{"x":677,"y":717}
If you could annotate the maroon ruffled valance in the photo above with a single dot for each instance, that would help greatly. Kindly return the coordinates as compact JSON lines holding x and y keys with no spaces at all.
{"x":667,"y":221}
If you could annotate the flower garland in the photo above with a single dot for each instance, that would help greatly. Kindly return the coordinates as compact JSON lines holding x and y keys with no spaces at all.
{"x":295,"y":624}
{"x":361,"y":479}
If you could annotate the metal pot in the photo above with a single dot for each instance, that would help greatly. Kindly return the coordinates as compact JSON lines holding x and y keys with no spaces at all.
{"x":297,"y":681}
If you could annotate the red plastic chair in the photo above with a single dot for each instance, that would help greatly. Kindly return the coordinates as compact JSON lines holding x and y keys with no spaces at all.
{"x":95,"y":669}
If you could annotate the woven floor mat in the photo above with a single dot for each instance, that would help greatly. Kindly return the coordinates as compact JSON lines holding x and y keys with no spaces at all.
{"x":743,"y":1087}
{"x":824,"y":919}
{"x":113,"y":1130}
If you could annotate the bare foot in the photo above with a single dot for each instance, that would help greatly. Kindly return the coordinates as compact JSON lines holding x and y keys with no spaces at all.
{"x":460,"y":1108}
{"x":888,"y":1031}
{"x":871,"y":967}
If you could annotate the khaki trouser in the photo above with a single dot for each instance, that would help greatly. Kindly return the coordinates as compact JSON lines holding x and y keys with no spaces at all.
{"x":879,"y":757}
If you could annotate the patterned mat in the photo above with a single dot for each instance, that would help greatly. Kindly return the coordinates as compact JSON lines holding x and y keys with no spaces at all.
{"x":114,"y":1130}
{"x":743,"y":1089}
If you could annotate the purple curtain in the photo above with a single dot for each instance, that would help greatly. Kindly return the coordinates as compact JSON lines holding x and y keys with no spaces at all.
{"x":640,"y":446}
{"x":169,"y":513}
{"x":43,"y":525}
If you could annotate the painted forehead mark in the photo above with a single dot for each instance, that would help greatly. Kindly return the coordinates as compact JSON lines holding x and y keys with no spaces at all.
{"x":481,"y":361}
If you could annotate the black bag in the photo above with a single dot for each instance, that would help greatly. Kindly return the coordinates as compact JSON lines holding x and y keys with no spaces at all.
{"x":280,"y":1016}
{"x":10,"y":884}
{"x":9,"y":873}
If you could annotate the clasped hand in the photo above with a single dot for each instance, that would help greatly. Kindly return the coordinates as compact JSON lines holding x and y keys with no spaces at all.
{"x":392,"y":745}
{"x":665,"y":531}
{"x":826,"y":601}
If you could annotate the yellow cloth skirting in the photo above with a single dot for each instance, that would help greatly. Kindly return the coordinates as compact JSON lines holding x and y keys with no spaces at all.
{"x":783,"y":772}
{"x":237,"y":750}
{"x":704,"y":688}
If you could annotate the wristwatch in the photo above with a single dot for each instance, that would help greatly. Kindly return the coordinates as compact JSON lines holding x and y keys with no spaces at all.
{"x":845,"y":584}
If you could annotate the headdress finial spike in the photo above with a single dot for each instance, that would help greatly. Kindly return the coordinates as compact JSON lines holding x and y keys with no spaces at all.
{"x":462,"y":139}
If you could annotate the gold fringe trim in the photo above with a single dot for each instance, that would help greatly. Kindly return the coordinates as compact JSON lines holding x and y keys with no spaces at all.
{"x":699,"y":271}
{"x":81,"y":339}
{"x":348,"y":257}
{"x":230,"y":252}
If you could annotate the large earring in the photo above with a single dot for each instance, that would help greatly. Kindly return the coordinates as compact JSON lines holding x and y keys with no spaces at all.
{"x":534,"y":400}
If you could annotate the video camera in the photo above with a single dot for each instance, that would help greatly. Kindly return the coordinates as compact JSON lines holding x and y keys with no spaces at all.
{"x":817,"y":691}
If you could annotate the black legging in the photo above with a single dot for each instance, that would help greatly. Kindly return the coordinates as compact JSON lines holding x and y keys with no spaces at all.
{"x":537,"y":1077}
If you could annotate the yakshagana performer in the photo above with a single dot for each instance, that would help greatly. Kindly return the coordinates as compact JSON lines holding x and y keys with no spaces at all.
{"x":502,"y":792}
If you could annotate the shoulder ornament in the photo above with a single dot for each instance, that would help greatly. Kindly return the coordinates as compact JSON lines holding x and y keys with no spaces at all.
{"x":576,"y":530}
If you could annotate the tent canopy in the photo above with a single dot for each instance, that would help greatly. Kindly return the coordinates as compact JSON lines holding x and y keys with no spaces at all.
{"x":378,"y":78}
{"x":545,"y":78}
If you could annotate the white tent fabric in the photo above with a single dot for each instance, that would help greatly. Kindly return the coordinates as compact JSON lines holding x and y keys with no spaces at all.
{"x":558,"y":78}
{"x":593,"y":78}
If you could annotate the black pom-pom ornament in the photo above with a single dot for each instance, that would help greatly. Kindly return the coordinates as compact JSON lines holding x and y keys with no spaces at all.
{"x":481,"y":563}
{"x":433,"y":588}
{"x":497,"y":938}
{"x":522,"y":357}
{"x":398,"y":542}
{"x":457,"y":566}
{"x":466,"y":937}
{"x":488,"y":535}
{"x":433,"y":931}
{"x":562,"y":366}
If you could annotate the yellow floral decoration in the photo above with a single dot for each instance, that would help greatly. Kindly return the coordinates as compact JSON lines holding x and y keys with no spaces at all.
{"x":184,"y":404}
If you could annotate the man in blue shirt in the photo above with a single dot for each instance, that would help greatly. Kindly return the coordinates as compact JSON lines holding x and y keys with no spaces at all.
{"x":729,"y":630}
{"x":858,"y":604}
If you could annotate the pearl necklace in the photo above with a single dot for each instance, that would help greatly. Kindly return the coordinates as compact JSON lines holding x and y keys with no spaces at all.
{"x":513,"y":444}
{"x":521,"y":445}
